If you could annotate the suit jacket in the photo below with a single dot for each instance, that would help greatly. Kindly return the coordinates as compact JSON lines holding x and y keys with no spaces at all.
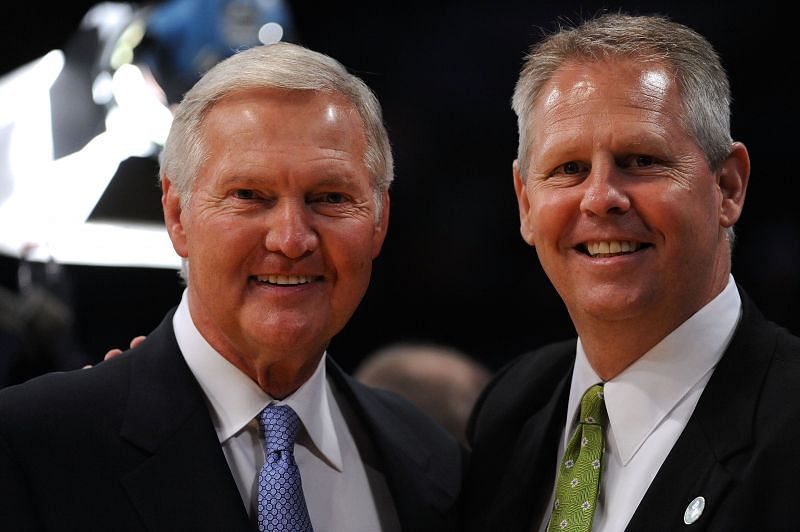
{"x":736,"y":450}
{"x":129,"y":445}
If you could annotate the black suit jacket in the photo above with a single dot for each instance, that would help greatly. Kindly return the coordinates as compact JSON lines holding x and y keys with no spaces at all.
{"x":736,"y":451}
{"x":129,"y":445}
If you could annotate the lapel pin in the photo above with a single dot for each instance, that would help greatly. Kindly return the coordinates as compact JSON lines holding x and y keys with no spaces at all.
{"x":694,"y":510}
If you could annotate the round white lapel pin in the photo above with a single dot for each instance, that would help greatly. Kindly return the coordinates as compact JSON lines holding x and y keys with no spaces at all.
{"x":694,"y":510}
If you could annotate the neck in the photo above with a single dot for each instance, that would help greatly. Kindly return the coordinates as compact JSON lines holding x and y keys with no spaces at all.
{"x":611,"y":349}
{"x":612,"y":346}
{"x":279,"y":369}
{"x":279,"y":379}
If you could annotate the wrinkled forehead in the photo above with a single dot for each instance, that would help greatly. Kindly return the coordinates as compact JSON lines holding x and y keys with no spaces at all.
{"x":638,"y":82}
{"x":285,"y":112}
{"x":581,"y":88}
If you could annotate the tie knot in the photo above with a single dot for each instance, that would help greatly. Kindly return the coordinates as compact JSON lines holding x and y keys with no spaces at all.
{"x":279,"y":424}
{"x":593,"y":411}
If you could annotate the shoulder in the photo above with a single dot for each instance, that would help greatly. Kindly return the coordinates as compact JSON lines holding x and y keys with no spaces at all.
{"x":383,"y":410}
{"x":552,"y":360}
{"x":56,"y":394}
{"x":759,"y":343}
{"x":524,"y":385}
{"x":755,"y":379}
{"x":782,"y":378}
{"x":399,"y":429}
{"x":82,"y":402}
{"x":404,"y":410}
{"x":787,"y":346}
{"x":65,"y":417}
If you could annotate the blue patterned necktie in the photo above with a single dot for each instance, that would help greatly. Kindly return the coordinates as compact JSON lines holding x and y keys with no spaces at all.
{"x":281,"y":504}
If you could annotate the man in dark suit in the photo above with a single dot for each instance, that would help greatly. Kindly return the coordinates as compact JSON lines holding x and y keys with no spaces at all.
{"x":674,"y":408}
{"x":275,"y":182}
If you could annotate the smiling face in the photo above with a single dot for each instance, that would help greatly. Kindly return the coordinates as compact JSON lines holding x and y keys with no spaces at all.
{"x":626,"y":216}
{"x":280,"y":230}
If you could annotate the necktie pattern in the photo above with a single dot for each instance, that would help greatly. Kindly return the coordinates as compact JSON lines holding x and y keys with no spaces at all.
{"x":281,"y":504}
{"x":579,"y":475}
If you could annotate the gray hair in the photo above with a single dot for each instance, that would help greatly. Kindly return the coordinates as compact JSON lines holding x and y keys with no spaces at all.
{"x":279,"y":66}
{"x":702,"y":81}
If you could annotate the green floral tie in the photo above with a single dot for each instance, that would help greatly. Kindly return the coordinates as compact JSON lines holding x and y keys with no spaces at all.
{"x":579,"y":476}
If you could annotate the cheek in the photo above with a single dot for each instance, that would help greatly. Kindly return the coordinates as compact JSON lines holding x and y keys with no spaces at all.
{"x":350,"y":252}
{"x":223,"y":245}
{"x":550,"y":215}
{"x":681,"y":211}
{"x":355,"y":259}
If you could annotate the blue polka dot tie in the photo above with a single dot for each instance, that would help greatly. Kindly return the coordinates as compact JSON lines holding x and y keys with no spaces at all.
{"x":281,"y":504}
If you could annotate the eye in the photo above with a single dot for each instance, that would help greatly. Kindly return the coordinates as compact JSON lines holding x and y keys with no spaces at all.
{"x":643,"y":161}
{"x":244,"y":194}
{"x":570,"y":168}
{"x":331,"y":197}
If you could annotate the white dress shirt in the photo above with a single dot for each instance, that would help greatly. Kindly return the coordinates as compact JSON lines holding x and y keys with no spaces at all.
{"x":649,"y":405}
{"x":335,"y":483}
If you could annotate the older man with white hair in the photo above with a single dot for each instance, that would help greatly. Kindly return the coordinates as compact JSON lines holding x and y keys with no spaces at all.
{"x":231,"y":415}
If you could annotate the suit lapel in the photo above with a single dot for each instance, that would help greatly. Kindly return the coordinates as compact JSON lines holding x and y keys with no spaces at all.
{"x":720,"y":428}
{"x":520,"y":500}
{"x":514,"y":430}
{"x":420,"y":495}
{"x":184,"y":481}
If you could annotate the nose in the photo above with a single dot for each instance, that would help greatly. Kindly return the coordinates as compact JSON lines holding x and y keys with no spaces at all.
{"x":605,"y":192}
{"x":289,"y":230}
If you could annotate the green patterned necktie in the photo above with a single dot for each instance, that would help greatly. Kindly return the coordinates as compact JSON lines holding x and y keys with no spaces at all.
{"x":579,"y":475}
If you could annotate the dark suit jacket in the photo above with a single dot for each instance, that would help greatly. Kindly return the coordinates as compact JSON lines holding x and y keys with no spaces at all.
{"x":129,"y":445}
{"x":736,"y":450}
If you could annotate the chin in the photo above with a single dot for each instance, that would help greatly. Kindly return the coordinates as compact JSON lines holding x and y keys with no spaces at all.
{"x":283,"y":332}
{"x":615,"y":306}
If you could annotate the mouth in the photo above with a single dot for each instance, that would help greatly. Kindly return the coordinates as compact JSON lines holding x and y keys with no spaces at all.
{"x":286,"y":280}
{"x":611,"y":248}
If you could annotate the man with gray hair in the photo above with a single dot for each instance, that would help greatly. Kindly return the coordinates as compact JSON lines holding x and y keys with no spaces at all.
{"x":673,"y":407}
{"x":230,"y":415}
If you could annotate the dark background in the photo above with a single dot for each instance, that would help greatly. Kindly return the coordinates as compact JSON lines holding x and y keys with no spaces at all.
{"x":454,"y":269}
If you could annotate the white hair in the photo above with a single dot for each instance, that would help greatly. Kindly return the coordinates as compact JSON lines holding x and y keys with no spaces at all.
{"x":283,"y":66}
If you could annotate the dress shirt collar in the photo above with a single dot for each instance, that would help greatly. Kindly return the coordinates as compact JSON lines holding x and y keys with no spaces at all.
{"x":642,"y":396}
{"x":234,"y":399}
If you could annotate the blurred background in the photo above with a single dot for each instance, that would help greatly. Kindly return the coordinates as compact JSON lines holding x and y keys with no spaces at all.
{"x":85,"y":264}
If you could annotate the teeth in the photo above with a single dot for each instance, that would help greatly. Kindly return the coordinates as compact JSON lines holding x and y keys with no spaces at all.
{"x":611,"y":247}
{"x":284,"y":279}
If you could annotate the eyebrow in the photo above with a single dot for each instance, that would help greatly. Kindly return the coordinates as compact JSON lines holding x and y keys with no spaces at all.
{"x":245,"y":181}
{"x":240,"y":179}
{"x":336,"y":179}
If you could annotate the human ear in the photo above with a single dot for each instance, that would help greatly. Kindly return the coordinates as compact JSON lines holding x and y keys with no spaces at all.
{"x":525,"y":218}
{"x":733,"y":176}
{"x":381,"y":227}
{"x":171,"y":203}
